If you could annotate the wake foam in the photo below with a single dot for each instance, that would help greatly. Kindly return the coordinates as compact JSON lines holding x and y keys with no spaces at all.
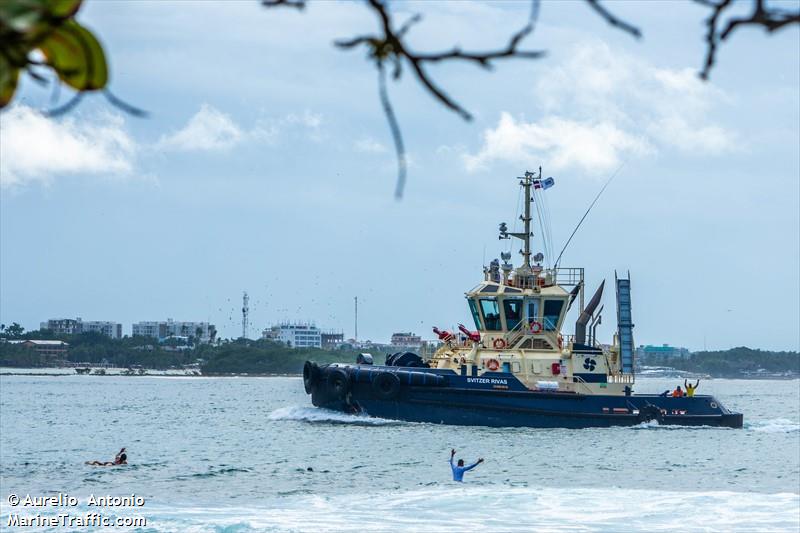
{"x":455,"y":508}
{"x":315,"y":415}
{"x":773,"y":425}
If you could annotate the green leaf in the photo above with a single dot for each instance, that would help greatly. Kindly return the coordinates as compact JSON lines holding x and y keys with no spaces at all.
{"x":8,"y":81}
{"x":21,"y":16}
{"x":76,"y":56}
{"x":63,"y":8}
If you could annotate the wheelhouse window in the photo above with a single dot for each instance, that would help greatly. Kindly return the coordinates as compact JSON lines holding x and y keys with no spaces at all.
{"x":552,"y":312}
{"x":513,"y":311}
{"x":473,"y":307}
{"x":491,"y":314}
{"x":533,"y":309}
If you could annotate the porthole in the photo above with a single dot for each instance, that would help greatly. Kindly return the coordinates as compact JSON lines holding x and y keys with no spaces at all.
{"x":713,"y":405}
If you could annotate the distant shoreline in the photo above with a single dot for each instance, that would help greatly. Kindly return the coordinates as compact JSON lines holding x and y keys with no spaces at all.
{"x":163,"y":374}
{"x":116,"y":372}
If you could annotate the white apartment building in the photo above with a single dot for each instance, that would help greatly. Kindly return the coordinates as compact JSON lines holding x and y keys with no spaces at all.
{"x":203,"y":331}
{"x":298,"y":335}
{"x":407,"y":340}
{"x":70,"y":326}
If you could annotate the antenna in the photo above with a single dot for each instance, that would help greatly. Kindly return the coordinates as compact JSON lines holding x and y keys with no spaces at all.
{"x":245,"y":314}
{"x":614,"y":175}
{"x":356,"y":318}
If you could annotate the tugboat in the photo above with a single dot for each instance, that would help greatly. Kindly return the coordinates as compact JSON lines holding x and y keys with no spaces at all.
{"x":517,"y":368}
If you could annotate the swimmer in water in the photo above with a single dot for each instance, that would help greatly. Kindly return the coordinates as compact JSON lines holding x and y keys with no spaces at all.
{"x":120,"y":459}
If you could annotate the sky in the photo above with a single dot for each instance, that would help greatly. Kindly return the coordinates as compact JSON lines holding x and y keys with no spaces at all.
{"x":266,"y":165}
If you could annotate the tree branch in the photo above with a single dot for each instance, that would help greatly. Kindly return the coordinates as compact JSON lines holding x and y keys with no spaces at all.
{"x":711,"y":35}
{"x":397,"y":135}
{"x":613,"y":20}
{"x":297,"y":4}
{"x":390,"y":45}
{"x":771,"y":19}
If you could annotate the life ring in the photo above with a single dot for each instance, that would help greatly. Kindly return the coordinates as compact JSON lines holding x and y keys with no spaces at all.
{"x":499,"y":344}
{"x":339,"y":383}
{"x":536,"y":327}
{"x":492,"y":364}
{"x":386,"y":386}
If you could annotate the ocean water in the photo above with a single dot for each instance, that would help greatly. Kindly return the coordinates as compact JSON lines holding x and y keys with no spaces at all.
{"x":252,"y":454}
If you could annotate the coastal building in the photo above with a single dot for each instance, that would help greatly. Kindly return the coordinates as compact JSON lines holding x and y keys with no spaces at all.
{"x":331,"y":340}
{"x":407,"y":340}
{"x":109,"y":329}
{"x":202,"y":331}
{"x":53,"y":350}
{"x":646,"y":351}
{"x":70,"y":326}
{"x":295,"y":335}
{"x":62,"y":326}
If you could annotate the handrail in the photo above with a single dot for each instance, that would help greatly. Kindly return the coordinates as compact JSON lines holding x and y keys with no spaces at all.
{"x":581,"y":381}
{"x":514,"y":334}
{"x":568,"y":276}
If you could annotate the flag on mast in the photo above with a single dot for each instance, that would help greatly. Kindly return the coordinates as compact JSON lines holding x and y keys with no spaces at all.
{"x":544,"y":184}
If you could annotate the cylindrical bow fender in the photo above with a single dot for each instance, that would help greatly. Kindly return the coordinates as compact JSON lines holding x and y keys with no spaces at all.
{"x":650,"y":412}
{"x":390,"y":358}
{"x":310,"y":376}
{"x":364,"y":374}
{"x":338,"y":383}
{"x":386,"y":386}
{"x":406,"y":359}
{"x":420,"y":379}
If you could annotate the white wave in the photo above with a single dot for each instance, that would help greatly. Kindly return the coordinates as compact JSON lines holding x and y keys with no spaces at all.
{"x":773,"y":425}
{"x":318,"y":415}
{"x":452,"y":508}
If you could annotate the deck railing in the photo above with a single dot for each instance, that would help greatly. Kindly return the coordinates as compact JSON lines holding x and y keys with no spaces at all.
{"x":569,"y":276}
{"x":621,"y":378}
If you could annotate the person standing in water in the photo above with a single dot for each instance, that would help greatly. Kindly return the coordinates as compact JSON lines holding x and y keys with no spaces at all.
{"x":459,"y":469}
{"x":690,"y":388}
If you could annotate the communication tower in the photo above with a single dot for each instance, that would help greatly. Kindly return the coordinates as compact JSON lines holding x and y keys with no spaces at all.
{"x":245,"y":314}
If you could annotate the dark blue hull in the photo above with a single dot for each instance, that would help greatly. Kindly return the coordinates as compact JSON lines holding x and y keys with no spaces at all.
{"x":496,"y":399}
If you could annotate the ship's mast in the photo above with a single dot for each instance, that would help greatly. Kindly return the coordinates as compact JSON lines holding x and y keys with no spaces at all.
{"x":526,"y":182}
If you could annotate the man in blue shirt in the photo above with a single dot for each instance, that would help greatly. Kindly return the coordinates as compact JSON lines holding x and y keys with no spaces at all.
{"x":459,"y":469}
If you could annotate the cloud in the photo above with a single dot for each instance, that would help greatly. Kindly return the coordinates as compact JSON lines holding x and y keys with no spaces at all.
{"x":213,"y":130}
{"x":601,"y":107}
{"x":562,"y":142}
{"x":35,"y":148}
{"x":308,"y":119}
{"x":369,"y":145}
{"x":271,"y":130}
{"x":208,"y":129}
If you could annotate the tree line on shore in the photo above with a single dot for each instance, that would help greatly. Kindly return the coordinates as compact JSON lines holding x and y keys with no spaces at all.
{"x":736,"y":362}
{"x":245,"y":356}
{"x":233,"y":357}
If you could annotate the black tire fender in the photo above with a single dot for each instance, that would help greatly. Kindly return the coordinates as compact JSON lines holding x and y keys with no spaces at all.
{"x":310,"y":376}
{"x":338,"y":383}
{"x":386,"y":386}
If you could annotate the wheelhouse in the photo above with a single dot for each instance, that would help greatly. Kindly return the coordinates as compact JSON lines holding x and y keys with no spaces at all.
{"x":499,"y":308}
